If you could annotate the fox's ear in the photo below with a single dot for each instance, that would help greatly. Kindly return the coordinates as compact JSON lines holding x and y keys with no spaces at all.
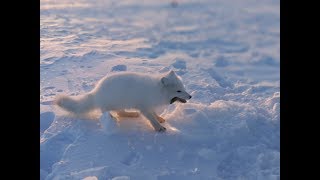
{"x":172,"y":73}
{"x":165,"y":81}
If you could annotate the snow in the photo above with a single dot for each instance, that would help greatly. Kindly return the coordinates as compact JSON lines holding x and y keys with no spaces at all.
{"x":228,"y":55}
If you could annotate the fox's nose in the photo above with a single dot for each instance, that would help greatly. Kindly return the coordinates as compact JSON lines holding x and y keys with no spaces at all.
{"x":190,"y":97}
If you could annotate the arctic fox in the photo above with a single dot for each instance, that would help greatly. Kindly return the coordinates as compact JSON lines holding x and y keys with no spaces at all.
{"x":127,"y":90}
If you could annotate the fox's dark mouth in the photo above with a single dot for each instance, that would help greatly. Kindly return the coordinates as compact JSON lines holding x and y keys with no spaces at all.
{"x":177,"y":99}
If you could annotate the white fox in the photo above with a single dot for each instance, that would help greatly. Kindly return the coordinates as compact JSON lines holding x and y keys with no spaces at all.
{"x":127,"y":90}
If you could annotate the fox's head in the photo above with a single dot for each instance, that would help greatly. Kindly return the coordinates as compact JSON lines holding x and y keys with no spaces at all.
{"x":175,"y":88}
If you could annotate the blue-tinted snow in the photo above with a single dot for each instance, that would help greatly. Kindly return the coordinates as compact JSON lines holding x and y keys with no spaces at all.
{"x":227,"y":53}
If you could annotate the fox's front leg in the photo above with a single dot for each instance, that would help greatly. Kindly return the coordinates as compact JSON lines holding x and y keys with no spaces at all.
{"x":160,"y":119}
{"x":152,"y":117}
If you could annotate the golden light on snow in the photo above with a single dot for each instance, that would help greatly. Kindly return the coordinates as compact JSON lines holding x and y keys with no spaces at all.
{"x":171,"y":128}
{"x":91,"y":178}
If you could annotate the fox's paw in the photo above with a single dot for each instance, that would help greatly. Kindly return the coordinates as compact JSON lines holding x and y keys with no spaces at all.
{"x":113,"y":116}
{"x":162,"y":129}
{"x":160,"y":119}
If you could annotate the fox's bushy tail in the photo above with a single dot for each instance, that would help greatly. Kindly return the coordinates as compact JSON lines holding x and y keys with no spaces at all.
{"x":77,"y":105}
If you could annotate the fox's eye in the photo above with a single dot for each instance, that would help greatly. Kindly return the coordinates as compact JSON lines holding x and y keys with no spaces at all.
{"x":178,"y":91}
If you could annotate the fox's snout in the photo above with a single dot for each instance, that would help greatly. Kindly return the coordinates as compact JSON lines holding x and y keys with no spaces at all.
{"x":188,"y":96}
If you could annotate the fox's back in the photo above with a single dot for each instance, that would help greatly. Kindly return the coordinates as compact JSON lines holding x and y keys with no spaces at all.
{"x":128,"y":89}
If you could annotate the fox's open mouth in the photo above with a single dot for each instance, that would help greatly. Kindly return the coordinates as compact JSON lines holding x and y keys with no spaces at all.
{"x":177,"y":99}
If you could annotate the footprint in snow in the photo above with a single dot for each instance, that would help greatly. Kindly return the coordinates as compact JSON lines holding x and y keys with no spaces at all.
{"x":47,"y":103}
{"x":220,"y":80}
{"x":120,"y":67}
{"x":49,"y":87}
{"x":221,"y":62}
{"x":189,"y":111}
{"x":180,"y":64}
{"x":131,"y":159}
{"x":46,"y":119}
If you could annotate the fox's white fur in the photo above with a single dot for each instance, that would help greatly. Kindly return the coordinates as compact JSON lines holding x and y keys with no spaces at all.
{"x":128,"y":90}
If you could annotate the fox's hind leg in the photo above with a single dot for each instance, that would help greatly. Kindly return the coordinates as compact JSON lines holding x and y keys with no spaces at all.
{"x":123,"y":113}
{"x":114,"y":115}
